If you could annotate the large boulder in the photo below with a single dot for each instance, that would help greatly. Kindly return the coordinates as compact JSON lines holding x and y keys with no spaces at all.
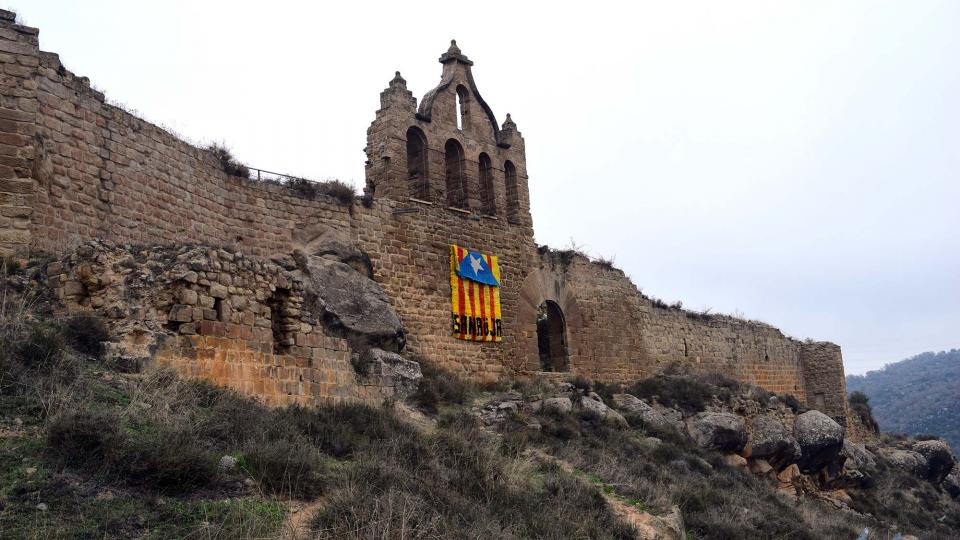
{"x":340,"y":251}
{"x":561,"y":405}
{"x":770,"y":440}
{"x":939,"y":456}
{"x":859,"y":466}
{"x":905,"y":460}
{"x":720,"y":431}
{"x":820,"y":438}
{"x":596,"y":406}
{"x":389,"y":369}
{"x":648,"y":415}
{"x":952,"y":482}
{"x":350,"y":301}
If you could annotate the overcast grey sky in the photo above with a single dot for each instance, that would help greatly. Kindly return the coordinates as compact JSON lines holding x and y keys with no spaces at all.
{"x":795,"y":163}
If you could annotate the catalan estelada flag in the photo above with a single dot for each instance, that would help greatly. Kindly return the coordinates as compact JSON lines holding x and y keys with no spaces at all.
{"x":475,"y":295}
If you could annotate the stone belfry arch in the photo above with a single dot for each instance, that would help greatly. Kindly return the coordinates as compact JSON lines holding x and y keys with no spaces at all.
{"x":453,"y":113}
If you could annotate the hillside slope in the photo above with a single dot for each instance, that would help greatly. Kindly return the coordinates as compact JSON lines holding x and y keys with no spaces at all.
{"x":919,"y":395}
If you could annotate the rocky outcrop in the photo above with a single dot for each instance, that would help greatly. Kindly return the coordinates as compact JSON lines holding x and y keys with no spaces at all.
{"x":720,"y":431}
{"x":905,"y":460}
{"x":389,"y":369}
{"x":650,"y":416}
{"x":939,"y":457}
{"x":770,"y":440}
{"x":952,"y":482}
{"x":820,"y":438}
{"x":349,"y":300}
{"x":561,"y":405}
{"x":859,"y":467}
{"x":595,"y":405}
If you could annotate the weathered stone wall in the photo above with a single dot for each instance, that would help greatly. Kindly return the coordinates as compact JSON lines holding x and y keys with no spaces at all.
{"x":18,"y":107}
{"x":826,"y":384}
{"x":213,"y":314}
{"x":75,"y":168}
{"x":618,"y":334}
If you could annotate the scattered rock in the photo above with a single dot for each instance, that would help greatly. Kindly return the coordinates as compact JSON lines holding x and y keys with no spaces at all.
{"x":227,"y":464}
{"x":939,"y":456}
{"x":646,"y":413}
{"x":760,"y":466}
{"x":734,"y":460}
{"x":599,"y":408}
{"x":769,"y":439}
{"x":392,"y":370}
{"x":820,"y":438}
{"x":789,"y":475}
{"x":42,"y":507}
{"x":561,"y":405}
{"x":719,"y":431}
{"x":952,"y":482}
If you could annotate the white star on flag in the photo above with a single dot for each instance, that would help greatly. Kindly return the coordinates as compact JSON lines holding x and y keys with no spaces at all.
{"x":477,"y":264}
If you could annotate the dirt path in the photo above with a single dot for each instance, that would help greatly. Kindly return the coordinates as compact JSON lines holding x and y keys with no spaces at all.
{"x":297,"y":524}
{"x":648,"y":526}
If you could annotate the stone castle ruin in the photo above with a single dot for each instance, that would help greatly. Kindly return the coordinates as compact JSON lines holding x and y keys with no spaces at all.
{"x":299,"y":299}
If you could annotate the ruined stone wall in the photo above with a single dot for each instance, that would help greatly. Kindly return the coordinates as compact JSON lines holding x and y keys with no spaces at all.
{"x":75,"y":168}
{"x":826,"y":384}
{"x":216,"y":315}
{"x":18,"y":107}
{"x":618,"y":334}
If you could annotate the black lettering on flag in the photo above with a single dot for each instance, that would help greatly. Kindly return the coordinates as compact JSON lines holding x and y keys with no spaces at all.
{"x":463,"y":324}
{"x":456,"y":324}
{"x":472,"y":326}
{"x":486,"y":328}
{"x":499,"y":328}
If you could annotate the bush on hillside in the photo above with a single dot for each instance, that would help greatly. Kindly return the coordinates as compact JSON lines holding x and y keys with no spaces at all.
{"x":860,"y":405}
{"x":86,"y":334}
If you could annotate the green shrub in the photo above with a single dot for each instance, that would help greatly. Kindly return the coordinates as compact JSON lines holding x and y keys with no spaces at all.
{"x":85,"y":439}
{"x":439,"y":386}
{"x":42,"y":348}
{"x":860,"y":404}
{"x":680,"y":392}
{"x":227,"y":162}
{"x":166,"y":458}
{"x":291,"y":468}
{"x":86,"y":334}
{"x":10,"y":266}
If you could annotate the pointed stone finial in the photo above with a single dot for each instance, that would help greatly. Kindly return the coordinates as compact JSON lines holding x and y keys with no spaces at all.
{"x":453,"y":47}
{"x":508,"y":124}
{"x":454,"y":54}
{"x":398,"y":80}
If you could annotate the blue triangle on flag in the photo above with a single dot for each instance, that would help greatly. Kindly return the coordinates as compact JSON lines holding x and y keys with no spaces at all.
{"x":475,"y":268}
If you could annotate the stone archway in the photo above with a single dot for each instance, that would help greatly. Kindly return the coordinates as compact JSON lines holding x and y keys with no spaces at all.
{"x":545,"y":297}
{"x":552,"y":338}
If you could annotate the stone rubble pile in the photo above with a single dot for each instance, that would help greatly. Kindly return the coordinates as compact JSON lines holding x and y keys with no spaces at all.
{"x":802,"y":450}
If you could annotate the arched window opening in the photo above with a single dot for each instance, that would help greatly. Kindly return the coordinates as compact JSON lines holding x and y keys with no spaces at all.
{"x":487,"y":199}
{"x":513,"y":196}
{"x":417,"y":163}
{"x":463,"y":108}
{"x":456,"y":179}
{"x":552,"y":337}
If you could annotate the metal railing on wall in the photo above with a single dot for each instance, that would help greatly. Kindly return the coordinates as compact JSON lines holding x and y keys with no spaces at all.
{"x":271,"y":176}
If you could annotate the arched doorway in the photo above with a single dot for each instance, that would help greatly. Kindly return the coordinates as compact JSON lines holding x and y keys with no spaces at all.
{"x":552,"y":337}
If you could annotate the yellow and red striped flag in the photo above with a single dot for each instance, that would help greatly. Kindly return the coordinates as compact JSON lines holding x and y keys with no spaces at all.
{"x":475,"y":295}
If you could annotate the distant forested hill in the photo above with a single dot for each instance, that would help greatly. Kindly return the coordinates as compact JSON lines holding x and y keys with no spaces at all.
{"x":919,"y":395}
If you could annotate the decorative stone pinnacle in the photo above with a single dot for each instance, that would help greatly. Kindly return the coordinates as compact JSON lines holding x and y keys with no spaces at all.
{"x":508,"y":123}
{"x":454,"y":54}
{"x":398,"y":80}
